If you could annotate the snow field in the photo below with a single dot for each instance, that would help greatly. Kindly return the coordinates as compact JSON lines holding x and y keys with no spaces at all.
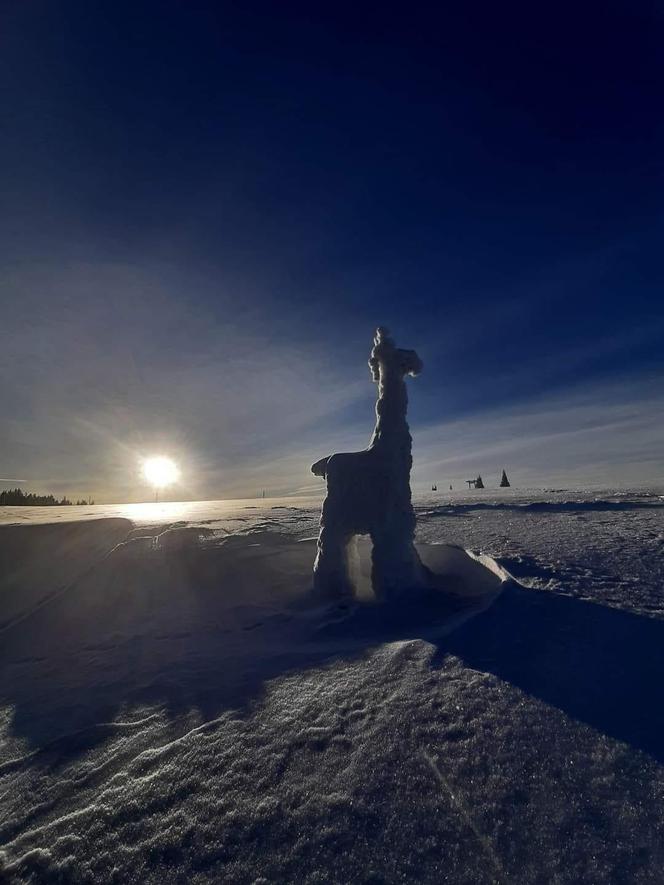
{"x":175,"y":711}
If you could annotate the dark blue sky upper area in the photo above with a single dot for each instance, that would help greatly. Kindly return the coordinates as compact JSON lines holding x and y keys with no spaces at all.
{"x":484,"y":178}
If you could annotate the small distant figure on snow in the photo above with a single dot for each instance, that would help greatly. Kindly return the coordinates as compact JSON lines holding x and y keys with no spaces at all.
{"x":504,"y":482}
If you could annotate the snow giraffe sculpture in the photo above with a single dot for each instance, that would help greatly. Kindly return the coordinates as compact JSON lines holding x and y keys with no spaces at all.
{"x":368,"y":492}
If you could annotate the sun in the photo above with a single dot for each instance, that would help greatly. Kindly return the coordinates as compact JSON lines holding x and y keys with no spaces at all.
{"x":160,"y":471}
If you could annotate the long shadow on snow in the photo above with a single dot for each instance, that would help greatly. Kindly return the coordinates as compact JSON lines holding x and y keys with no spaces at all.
{"x":600,"y":665}
{"x":453,"y":509}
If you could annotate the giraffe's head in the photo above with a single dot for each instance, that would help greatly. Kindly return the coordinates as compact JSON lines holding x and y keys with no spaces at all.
{"x":393,"y":358}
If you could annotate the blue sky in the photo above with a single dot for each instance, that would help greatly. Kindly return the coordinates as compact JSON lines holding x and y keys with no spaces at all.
{"x":208,"y":207}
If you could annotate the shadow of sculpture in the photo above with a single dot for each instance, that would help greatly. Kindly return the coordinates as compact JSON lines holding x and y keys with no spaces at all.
{"x":599,"y":665}
{"x":599,"y":506}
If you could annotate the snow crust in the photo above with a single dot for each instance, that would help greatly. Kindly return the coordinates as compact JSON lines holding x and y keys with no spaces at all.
{"x":173,"y":706}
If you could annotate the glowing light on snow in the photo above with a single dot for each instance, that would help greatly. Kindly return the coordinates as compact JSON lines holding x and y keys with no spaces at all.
{"x":160,"y":471}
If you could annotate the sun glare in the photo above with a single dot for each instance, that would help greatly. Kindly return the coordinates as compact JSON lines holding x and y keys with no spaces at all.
{"x":160,"y":472}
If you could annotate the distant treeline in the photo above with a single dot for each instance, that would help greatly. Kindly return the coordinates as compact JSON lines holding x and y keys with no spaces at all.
{"x":14,"y":497}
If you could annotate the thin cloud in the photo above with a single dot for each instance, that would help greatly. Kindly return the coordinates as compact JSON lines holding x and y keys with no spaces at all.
{"x":98,"y":383}
{"x":603,"y":434}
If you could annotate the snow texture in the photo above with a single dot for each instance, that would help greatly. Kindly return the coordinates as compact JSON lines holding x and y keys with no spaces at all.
{"x":368,"y":492}
{"x":174,"y":706}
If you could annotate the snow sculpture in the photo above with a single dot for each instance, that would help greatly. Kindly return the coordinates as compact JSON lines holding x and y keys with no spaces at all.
{"x":368,"y":492}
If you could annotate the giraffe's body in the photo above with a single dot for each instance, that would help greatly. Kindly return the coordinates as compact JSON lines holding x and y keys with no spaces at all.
{"x":368,"y":492}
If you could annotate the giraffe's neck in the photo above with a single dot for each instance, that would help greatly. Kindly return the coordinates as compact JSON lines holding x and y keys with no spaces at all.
{"x":391,"y":406}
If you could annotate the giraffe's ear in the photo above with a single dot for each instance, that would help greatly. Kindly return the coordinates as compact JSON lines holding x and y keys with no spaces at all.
{"x":411,"y":364}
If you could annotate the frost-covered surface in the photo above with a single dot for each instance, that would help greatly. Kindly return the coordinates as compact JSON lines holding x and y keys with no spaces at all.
{"x":368,"y":492}
{"x":173,"y":710}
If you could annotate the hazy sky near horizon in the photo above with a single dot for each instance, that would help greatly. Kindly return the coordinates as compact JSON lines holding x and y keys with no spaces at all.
{"x":207,"y":208}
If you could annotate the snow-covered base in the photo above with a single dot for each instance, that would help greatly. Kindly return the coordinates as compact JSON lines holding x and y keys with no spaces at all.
{"x":175,"y":707}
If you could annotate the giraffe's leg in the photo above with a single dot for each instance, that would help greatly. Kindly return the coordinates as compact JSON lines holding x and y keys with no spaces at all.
{"x":331,"y":568}
{"x":395,"y":565}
